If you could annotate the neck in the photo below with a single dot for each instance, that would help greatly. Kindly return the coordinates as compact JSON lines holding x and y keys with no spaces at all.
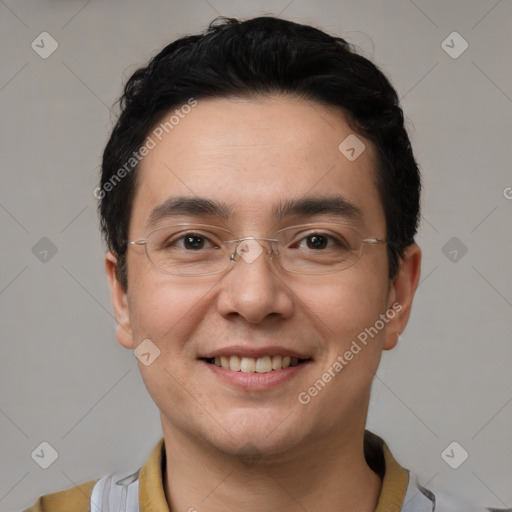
{"x":330,"y":474}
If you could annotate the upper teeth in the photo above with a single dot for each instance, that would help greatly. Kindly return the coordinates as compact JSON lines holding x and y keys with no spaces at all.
{"x":259,"y":365}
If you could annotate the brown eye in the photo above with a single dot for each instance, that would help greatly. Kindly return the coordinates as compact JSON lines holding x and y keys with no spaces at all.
{"x":323,"y":241}
{"x":193,"y":242}
{"x":188,"y":241}
{"x":317,"y":241}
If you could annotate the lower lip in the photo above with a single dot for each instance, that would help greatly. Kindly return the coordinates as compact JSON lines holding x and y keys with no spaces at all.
{"x":255,"y":381}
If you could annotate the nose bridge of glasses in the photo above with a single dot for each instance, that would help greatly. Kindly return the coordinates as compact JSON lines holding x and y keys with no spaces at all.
{"x":249,"y":248}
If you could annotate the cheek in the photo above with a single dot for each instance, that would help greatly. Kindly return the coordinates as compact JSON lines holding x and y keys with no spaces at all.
{"x":340,"y":386}
{"x":165,"y":311}
{"x":343,"y":305}
{"x":366,"y":299}
{"x":168,"y":314}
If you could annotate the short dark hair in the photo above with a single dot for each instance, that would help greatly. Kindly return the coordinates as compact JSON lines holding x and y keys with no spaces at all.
{"x":263,"y":55}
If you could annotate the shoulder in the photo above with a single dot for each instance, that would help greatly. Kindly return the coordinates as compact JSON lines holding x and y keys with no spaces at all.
{"x":446,"y":502}
{"x":75,"y":499}
{"x":117,"y":488}
{"x":419,"y":498}
{"x":403,"y":490}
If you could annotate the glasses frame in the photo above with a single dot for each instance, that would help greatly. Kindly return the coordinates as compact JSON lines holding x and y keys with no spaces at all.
{"x":272,"y":252}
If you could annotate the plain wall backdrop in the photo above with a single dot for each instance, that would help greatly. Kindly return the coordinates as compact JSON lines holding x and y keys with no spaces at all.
{"x":65,"y":380}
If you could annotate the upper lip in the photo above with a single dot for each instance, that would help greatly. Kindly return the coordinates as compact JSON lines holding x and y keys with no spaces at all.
{"x":241,"y":351}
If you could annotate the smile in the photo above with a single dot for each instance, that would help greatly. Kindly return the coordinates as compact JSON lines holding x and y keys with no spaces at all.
{"x":263,"y":364}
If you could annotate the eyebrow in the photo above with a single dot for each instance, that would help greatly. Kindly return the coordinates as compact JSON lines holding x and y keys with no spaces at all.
{"x":309,"y":206}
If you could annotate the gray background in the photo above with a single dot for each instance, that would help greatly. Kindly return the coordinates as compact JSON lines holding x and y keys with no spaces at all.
{"x":64,"y":378}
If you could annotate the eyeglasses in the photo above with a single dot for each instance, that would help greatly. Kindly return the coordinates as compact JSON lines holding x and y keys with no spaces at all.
{"x":202,"y":249}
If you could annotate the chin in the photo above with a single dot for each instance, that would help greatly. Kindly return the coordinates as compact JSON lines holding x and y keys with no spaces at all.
{"x":256,"y":435}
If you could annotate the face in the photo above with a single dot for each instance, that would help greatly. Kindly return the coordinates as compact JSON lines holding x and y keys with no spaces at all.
{"x":254,"y":155}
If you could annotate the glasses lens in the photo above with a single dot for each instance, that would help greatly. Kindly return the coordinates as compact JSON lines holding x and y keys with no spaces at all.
{"x":188,"y":249}
{"x":318,"y":249}
{"x":200,"y":249}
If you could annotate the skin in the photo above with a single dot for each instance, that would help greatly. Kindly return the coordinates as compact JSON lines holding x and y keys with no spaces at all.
{"x":252,"y":153}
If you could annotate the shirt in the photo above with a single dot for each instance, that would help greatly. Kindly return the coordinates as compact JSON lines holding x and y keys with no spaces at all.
{"x":143,"y":491}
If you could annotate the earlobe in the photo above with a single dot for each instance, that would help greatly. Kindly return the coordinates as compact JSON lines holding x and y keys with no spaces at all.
{"x":402,"y":293}
{"x":391,"y":339}
{"x":118,"y":297}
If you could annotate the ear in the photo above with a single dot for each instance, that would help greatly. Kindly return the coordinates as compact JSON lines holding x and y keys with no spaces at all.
{"x":401,"y":294}
{"x":118,"y":296}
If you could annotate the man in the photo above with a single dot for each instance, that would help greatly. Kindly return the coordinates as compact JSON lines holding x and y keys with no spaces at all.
{"x":260,"y":198}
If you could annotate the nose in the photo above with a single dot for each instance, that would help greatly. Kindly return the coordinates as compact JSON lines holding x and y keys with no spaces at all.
{"x":254,"y":288}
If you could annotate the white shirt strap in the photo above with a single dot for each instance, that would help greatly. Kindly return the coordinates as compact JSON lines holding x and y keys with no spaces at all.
{"x":116,"y":493}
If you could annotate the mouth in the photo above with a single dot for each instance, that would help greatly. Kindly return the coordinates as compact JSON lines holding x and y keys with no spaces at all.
{"x":255,"y":369}
{"x":264,"y":364}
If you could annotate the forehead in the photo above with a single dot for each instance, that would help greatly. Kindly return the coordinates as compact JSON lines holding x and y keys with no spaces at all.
{"x":257,"y":161}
